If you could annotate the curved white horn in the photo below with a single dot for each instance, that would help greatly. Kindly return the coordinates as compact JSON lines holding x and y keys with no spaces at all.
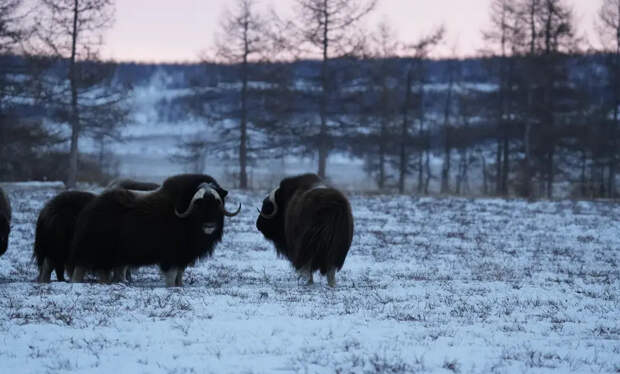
{"x":202,"y":190}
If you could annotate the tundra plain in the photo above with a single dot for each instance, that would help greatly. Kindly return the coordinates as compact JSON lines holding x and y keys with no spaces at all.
{"x":437,"y":285}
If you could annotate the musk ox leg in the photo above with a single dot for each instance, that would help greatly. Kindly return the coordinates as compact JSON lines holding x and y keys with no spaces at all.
{"x":69,"y":269}
{"x":128,"y":274}
{"x":45,"y":271}
{"x":331,"y":277}
{"x":104,"y":276}
{"x":120,"y":274}
{"x":78,"y":274}
{"x":306,"y":273}
{"x":178,"y":281}
{"x":170,"y":277}
{"x":60,"y":272}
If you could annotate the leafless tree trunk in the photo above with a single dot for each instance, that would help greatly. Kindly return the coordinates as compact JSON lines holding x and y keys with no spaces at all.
{"x":609,"y":30}
{"x":447,"y":141}
{"x":70,"y":30}
{"x":404,"y":135}
{"x":75,"y":115}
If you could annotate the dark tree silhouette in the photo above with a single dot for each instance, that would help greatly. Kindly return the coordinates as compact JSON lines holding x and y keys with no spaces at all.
{"x":326,"y":31}
{"x":70,"y":32}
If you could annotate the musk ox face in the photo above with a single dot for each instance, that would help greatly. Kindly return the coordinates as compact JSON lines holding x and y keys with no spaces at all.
{"x":270,"y":220}
{"x":207,"y":207}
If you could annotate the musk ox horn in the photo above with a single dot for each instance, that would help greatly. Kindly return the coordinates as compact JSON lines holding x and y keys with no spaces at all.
{"x":202,"y":190}
{"x":230,"y":214}
{"x":272,"y":198}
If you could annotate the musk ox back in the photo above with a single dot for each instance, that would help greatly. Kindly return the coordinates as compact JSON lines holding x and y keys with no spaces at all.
{"x":171,"y":227}
{"x":55,"y":227}
{"x":309,"y":223}
{"x":5,"y":221}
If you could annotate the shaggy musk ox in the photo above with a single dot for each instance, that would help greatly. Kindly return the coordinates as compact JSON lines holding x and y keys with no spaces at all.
{"x":56,"y":225}
{"x":309,"y":223}
{"x":172,"y":226}
{"x":5,"y":221}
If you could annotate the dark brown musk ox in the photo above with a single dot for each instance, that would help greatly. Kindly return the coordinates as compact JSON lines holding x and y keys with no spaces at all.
{"x":309,"y":223}
{"x":56,"y":225}
{"x":171,"y":227}
{"x":5,"y":221}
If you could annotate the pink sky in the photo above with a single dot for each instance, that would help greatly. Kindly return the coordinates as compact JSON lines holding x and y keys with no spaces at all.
{"x":174,"y":31}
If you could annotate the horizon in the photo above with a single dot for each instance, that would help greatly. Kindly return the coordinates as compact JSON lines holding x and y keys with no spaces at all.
{"x":141,"y":36}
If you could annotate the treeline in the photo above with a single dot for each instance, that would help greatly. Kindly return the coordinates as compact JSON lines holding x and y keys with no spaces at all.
{"x":534,"y":113}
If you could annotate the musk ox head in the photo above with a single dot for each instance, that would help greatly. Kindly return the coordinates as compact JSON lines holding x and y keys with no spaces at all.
{"x":207,"y":205}
{"x":5,"y":221}
{"x":271,"y":217}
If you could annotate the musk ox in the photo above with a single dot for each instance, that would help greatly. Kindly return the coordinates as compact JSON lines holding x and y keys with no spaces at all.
{"x":56,"y":225}
{"x":5,"y":221}
{"x":309,"y":223}
{"x":171,"y":227}
{"x":54,"y":231}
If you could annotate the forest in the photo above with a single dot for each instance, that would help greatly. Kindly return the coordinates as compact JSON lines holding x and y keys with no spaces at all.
{"x":535,"y":114}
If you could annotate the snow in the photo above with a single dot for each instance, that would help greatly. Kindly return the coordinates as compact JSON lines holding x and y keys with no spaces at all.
{"x":434,"y":285}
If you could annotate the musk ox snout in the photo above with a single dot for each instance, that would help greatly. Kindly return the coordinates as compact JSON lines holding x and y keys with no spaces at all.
{"x":209,"y":227}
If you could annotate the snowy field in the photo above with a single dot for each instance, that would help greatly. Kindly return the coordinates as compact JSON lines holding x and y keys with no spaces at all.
{"x":430,"y":285}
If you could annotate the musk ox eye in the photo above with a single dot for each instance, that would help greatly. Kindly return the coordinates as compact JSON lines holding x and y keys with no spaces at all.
{"x":267,"y":207}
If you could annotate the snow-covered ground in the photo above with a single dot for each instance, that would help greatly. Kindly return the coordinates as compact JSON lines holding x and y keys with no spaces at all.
{"x":430,"y":285}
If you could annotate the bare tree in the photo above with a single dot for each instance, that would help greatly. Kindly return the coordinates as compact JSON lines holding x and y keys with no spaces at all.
{"x":11,"y":31}
{"x":238,"y":105}
{"x":70,"y":32}
{"x":609,"y":29}
{"x":416,"y":54}
{"x":242,"y":39}
{"x":550,"y":36}
{"x":505,"y":37}
{"x":448,"y":127}
{"x":326,"y":30}
{"x":380,"y":104}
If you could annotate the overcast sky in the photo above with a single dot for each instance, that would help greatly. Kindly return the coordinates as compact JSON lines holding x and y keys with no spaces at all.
{"x":178,"y":30}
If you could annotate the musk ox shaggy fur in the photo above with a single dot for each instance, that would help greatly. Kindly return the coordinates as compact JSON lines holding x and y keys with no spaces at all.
{"x":54,"y":231}
{"x":171,"y":227}
{"x":5,"y":221}
{"x":309,"y":223}
{"x":56,"y":226}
